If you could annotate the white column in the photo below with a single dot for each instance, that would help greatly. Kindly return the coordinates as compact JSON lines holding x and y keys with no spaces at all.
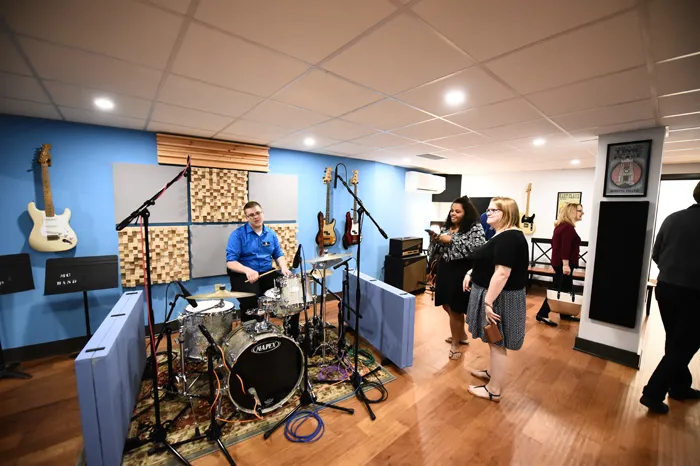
{"x":601,"y":338}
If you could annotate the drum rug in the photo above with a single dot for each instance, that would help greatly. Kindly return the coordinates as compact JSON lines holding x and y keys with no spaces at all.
{"x":240,"y":426}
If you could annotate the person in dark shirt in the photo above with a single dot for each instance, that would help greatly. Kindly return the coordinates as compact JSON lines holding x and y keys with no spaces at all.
{"x":497,"y":284}
{"x":566,"y":245}
{"x":488,"y":229}
{"x":677,"y":253}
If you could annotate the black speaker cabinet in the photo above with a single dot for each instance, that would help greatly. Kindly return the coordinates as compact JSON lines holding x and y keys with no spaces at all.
{"x":619,"y":257}
{"x":406,"y":273}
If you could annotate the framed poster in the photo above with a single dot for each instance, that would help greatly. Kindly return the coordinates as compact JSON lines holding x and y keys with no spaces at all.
{"x":566,"y":198}
{"x":627,"y":169}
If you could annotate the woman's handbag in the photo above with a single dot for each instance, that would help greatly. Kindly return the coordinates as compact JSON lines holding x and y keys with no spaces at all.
{"x":493,"y":335}
{"x":568,"y":303}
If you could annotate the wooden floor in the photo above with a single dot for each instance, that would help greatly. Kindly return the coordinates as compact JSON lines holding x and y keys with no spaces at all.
{"x":562,"y":407}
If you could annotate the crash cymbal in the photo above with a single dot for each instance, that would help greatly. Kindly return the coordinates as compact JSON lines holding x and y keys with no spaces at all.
{"x":330,"y":257}
{"x":222,"y":293}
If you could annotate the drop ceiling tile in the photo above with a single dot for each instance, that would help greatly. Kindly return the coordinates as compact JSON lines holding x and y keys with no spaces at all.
{"x":78,"y":97}
{"x":179,"y":6}
{"x":88,"y":69}
{"x":488,"y":29}
{"x":122,"y":29}
{"x":591,"y":133}
{"x":103,"y":119}
{"x":296,"y":142}
{"x":673,"y":27}
{"x":462,"y":140}
{"x":402,"y":54}
{"x":605,"y":116}
{"x":678,"y":75}
{"x":682,"y":122}
{"x":308,"y":29}
{"x":683,"y":135}
{"x":681,"y":103}
{"x":164,"y":113}
{"x":479,"y":88}
{"x":625,"y":86}
{"x":681,"y":145}
{"x":414,"y":149}
{"x":326,"y":94}
{"x":387,"y":114}
{"x":240,"y":138}
{"x":157,"y":127}
{"x":26,"y":108}
{"x":377,"y":155}
{"x":253,"y":129}
{"x":535,"y":128}
{"x":21,"y":87}
{"x":554,"y":142}
{"x":186,"y":92}
{"x":342,"y":130}
{"x":485,"y":150}
{"x":431,"y":129}
{"x":11,"y":61}
{"x":605,"y":47}
{"x":347,"y":148}
{"x":673,"y":158}
{"x":491,"y":116}
{"x":383,"y":140}
{"x":286,"y":116}
{"x":217,"y":58}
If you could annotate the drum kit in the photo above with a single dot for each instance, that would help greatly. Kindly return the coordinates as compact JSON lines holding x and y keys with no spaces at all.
{"x":261,"y":362}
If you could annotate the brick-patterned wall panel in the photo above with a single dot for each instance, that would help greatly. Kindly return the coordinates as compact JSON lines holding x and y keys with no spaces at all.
{"x":218,"y":195}
{"x":287,"y":234}
{"x":170,"y":255}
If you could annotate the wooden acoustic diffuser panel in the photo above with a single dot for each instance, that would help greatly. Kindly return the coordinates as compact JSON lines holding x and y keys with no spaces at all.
{"x":170,"y":255}
{"x":218,"y":195}
{"x":173,"y":150}
{"x":287,"y":234}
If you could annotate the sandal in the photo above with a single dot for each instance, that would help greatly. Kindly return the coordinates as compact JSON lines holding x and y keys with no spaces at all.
{"x":455,"y":354}
{"x":461,"y":342}
{"x":490,"y":396}
{"x":482,"y":374}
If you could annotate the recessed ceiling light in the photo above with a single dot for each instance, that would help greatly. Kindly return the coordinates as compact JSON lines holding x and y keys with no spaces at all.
{"x":575,"y":162}
{"x":308,"y":142}
{"x":454,"y":98}
{"x":104,"y":104}
{"x":539,"y":142}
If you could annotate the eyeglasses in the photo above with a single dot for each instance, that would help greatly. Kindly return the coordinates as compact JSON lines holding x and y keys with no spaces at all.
{"x":492,"y":211}
{"x":254,"y":214}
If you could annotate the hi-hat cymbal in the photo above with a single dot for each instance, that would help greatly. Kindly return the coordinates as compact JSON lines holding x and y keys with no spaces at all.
{"x":330,"y":257}
{"x":319,"y":273}
{"x":223,"y":294}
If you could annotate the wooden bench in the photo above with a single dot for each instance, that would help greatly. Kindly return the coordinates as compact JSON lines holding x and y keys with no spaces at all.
{"x":541,"y":260}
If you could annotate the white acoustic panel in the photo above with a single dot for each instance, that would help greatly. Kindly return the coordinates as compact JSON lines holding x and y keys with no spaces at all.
{"x":208,"y":249}
{"x":277,"y":194}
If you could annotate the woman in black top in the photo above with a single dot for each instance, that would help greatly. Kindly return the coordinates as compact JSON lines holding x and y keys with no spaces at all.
{"x":461,"y":234}
{"x":497,"y":284}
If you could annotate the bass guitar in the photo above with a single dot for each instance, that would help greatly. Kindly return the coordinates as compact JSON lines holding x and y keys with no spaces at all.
{"x":51,"y":232}
{"x":352,"y":228}
{"x":326,"y":235}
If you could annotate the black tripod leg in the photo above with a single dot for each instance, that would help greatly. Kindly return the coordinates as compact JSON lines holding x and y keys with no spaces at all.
{"x":268,"y":433}
{"x":225,"y":452}
{"x":339,"y":408}
{"x":7,"y":372}
{"x":176,"y":453}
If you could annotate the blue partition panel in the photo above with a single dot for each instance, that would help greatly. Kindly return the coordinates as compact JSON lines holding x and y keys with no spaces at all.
{"x":108,"y":372}
{"x":388,"y":317}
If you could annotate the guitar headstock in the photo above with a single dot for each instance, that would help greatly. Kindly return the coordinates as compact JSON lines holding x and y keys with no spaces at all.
{"x":529,"y":188}
{"x":44,"y":157}
{"x":327,"y":176}
{"x":354,"y":180}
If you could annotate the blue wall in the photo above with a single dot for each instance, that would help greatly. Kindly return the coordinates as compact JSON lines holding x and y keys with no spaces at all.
{"x":81,"y":179}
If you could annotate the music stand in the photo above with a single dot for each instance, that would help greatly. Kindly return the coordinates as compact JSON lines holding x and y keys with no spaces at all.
{"x":15,"y":276}
{"x":81,"y":274}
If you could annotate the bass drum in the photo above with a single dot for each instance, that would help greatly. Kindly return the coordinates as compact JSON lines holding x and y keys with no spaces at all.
{"x":269,"y":362}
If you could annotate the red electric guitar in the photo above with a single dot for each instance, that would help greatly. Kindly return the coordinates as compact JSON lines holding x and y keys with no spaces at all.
{"x":352,"y":229}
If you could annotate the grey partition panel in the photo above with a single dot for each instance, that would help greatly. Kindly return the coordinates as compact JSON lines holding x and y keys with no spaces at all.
{"x":208,"y":249}
{"x":277,"y":194}
{"x":135,"y":183}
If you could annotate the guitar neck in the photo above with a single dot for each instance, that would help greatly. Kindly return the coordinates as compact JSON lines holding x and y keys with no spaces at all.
{"x":354,"y":206}
{"x":527,"y":205}
{"x":46,"y":184}
{"x":328,"y":202}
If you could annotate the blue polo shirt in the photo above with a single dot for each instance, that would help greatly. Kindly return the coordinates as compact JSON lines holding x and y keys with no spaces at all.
{"x":253,"y":250}
{"x":488,"y":230}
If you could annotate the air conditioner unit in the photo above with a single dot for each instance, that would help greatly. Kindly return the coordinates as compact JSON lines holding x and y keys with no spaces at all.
{"x":424,"y":182}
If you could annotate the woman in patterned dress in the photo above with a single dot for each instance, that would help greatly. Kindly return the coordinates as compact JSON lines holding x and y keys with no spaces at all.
{"x":497,"y":284}
{"x":461,"y":234}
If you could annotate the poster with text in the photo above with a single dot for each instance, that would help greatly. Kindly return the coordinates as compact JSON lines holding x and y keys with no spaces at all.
{"x":627,"y":169}
{"x":566,"y":198}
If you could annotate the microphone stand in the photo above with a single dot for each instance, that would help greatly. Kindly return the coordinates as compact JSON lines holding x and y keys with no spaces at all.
{"x":356,"y":378}
{"x":159,"y":433}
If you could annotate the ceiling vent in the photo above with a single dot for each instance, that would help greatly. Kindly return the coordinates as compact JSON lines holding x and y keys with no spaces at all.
{"x":431,"y":156}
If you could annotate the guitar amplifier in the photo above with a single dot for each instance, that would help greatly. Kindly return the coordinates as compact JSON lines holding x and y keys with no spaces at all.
{"x":406,"y":273}
{"x":404,"y":247}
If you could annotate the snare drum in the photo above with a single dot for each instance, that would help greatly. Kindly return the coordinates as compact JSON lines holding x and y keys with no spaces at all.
{"x":216,"y":315}
{"x":292,"y":296}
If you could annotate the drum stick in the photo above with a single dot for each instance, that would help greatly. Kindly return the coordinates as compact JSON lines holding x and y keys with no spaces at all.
{"x":263,"y":274}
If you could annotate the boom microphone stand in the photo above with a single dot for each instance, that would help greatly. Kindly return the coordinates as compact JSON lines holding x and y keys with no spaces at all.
{"x":159,"y":433}
{"x":356,"y":378}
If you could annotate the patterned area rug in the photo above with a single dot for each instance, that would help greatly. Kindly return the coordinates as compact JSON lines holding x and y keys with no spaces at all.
{"x":240,"y":426}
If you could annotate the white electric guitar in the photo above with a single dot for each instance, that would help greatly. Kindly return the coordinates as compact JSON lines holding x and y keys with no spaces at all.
{"x":51,"y":232}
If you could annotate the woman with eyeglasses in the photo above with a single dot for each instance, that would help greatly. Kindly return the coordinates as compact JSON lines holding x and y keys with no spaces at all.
{"x":497,"y":284}
{"x":461,"y":234}
{"x":566,"y":245}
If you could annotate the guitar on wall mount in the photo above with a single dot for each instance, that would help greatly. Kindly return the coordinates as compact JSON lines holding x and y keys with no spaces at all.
{"x":51,"y":232}
{"x":352,"y":228}
{"x":326,"y":235}
{"x":527,"y":222}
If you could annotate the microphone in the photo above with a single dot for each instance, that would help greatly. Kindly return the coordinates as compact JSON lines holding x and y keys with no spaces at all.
{"x":297,"y":258}
{"x":206,"y":333}
{"x":335,"y":178}
{"x":186,"y":294}
{"x":254,"y":393}
{"x":342,"y":263}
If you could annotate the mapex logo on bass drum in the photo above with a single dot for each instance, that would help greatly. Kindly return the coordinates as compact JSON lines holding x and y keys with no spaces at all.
{"x":266,"y":347}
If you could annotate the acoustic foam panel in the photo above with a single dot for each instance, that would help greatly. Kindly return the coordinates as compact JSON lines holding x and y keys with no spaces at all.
{"x":135,"y":183}
{"x":170,"y":255}
{"x":208,"y":245}
{"x":218,"y":195}
{"x":277,"y":194}
{"x":619,"y":255}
